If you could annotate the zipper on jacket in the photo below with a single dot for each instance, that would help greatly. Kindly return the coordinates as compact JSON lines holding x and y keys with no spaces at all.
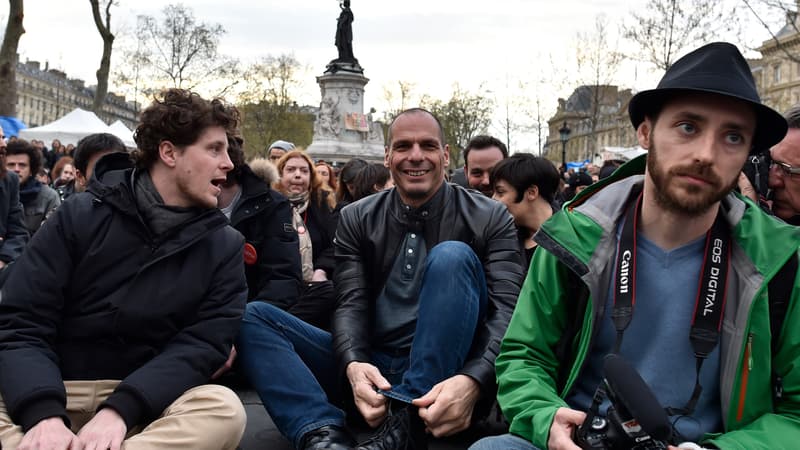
{"x":747,"y":366}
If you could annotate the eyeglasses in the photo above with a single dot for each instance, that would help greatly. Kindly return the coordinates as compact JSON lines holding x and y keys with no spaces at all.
{"x":787,"y":169}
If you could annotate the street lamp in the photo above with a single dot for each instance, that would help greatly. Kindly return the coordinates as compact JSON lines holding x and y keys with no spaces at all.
{"x":563,"y":132}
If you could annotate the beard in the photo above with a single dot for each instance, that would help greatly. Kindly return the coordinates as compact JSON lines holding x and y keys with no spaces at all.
{"x":690,"y":200}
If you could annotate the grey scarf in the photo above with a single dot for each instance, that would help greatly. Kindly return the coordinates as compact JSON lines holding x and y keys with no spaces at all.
{"x":158,"y":217}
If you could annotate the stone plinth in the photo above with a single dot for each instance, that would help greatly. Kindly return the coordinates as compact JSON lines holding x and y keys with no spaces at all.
{"x":341,"y":130}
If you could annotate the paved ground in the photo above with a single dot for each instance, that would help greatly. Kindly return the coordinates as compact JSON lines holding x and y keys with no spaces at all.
{"x":261,"y":433}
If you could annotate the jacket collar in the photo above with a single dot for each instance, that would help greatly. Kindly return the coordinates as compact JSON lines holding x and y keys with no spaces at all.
{"x":431,"y":210}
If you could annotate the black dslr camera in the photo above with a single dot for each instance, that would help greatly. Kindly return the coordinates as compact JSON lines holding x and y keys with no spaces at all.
{"x":635,"y":420}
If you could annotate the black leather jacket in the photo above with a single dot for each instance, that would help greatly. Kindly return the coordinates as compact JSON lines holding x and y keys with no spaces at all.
{"x":368,"y":238}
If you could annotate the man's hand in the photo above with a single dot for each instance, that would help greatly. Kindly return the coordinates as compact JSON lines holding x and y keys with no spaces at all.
{"x":747,"y":188}
{"x":319,"y":275}
{"x":227,"y":366}
{"x":49,"y":434}
{"x":564,"y":423}
{"x":447,"y":408}
{"x":364,"y":378}
{"x":105,"y":431}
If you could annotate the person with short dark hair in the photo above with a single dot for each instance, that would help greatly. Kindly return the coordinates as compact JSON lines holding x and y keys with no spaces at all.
{"x":372,"y":178}
{"x":127,"y":302}
{"x":664,"y":266}
{"x":577,"y":182}
{"x":38,"y":200}
{"x":88,"y":151}
{"x":608,"y":167}
{"x":527,"y":185}
{"x":481,"y":154}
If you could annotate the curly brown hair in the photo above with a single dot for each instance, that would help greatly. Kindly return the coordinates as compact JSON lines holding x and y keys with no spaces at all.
{"x":179,"y":116}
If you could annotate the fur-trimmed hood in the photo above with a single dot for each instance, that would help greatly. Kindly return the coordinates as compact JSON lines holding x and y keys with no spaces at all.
{"x":264,"y":169}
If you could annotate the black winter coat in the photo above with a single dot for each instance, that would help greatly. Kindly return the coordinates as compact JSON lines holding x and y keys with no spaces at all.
{"x":96,"y":296}
{"x":13,"y":233}
{"x":264,"y":217}
{"x":368,"y":239}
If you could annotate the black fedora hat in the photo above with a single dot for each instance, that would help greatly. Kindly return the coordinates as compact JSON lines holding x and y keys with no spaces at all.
{"x":716,"y":68}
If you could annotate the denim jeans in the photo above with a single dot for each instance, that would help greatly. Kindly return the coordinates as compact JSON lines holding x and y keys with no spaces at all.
{"x":503,"y":442}
{"x":291,"y":364}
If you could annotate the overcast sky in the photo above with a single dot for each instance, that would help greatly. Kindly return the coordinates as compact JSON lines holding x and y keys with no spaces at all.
{"x":432,"y":43}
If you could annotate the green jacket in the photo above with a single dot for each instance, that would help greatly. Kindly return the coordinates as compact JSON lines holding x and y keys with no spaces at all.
{"x":536,"y":369}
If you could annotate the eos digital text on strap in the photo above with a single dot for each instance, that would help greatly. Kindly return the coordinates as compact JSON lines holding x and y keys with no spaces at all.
{"x":711,"y":292}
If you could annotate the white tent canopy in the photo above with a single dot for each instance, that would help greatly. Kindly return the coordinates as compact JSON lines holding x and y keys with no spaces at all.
{"x":623,"y":153}
{"x":72,"y":127}
{"x":119,"y":130}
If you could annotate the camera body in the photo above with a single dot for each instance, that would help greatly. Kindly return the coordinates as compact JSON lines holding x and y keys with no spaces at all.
{"x":756,"y":168}
{"x":616,"y":431}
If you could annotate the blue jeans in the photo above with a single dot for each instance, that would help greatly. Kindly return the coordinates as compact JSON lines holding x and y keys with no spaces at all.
{"x":291,"y":364}
{"x":503,"y":442}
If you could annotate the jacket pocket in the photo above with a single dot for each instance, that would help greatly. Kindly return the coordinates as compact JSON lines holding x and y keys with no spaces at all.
{"x":747,"y":366}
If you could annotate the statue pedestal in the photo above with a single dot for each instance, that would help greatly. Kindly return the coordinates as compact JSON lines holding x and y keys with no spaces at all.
{"x":341,"y":130}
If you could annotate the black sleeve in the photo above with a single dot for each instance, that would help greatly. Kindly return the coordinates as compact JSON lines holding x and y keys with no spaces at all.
{"x":30,"y":312}
{"x":351,"y":317}
{"x":16,"y":237}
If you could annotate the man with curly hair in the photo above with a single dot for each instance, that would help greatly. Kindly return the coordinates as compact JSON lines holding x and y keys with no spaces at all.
{"x":128,"y":300}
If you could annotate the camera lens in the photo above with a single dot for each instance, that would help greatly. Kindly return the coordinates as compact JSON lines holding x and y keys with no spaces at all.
{"x":599,"y":423}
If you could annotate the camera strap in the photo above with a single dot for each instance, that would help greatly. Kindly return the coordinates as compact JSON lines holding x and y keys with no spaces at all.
{"x":711,"y":292}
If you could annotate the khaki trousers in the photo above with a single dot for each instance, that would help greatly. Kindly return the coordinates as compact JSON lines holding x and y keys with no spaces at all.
{"x":205,"y":417}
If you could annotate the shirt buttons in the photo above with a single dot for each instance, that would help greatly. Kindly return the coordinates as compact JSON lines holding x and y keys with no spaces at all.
{"x":413,"y":236}
{"x":408,"y":266}
{"x":410,"y":251}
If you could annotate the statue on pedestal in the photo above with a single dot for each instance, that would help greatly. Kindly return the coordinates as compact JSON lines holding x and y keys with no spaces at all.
{"x":344,"y":42}
{"x":344,"y":33}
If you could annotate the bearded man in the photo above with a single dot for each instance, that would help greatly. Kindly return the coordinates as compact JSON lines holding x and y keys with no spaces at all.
{"x":663,"y":265}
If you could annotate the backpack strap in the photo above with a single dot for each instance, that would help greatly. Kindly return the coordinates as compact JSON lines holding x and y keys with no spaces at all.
{"x":780,"y":294}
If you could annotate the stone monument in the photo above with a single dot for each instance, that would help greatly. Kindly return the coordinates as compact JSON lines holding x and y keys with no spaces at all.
{"x":341,"y":130}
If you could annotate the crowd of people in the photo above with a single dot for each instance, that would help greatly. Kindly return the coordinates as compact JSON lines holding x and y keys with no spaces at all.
{"x":401,"y":298}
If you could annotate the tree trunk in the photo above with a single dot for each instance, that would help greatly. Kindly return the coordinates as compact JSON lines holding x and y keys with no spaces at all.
{"x":104,"y":28}
{"x":8,"y":60}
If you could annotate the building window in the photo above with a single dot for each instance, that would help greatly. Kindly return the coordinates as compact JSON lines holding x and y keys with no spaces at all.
{"x":776,"y":74}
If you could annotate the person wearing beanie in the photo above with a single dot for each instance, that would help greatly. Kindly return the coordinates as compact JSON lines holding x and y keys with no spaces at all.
{"x":278,"y":149}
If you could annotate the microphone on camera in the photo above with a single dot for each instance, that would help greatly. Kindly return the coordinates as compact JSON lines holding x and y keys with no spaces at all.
{"x":627,"y":386}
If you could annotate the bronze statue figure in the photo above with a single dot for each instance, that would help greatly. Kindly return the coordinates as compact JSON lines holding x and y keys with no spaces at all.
{"x":344,"y":34}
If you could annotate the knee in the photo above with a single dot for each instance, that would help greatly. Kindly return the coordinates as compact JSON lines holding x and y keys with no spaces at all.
{"x":260,"y":312}
{"x":449,"y":254}
{"x":227,"y":410}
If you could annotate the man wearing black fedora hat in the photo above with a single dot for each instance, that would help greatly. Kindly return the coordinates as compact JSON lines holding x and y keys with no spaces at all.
{"x":663,"y":265}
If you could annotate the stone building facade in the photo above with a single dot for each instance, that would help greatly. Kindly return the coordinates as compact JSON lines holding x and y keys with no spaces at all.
{"x":605,"y":107}
{"x":44,"y":95}
{"x":777,"y":76}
